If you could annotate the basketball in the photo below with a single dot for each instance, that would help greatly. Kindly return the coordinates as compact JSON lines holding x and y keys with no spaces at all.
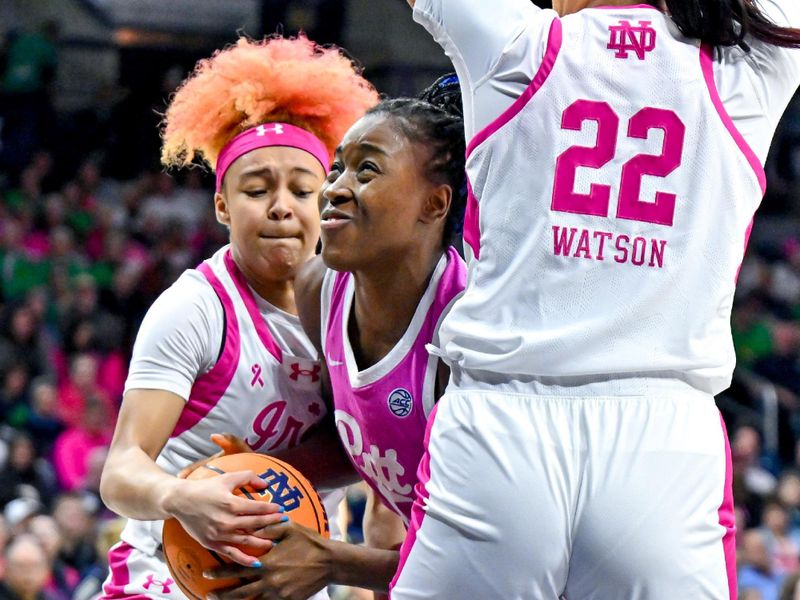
{"x":187,"y":559}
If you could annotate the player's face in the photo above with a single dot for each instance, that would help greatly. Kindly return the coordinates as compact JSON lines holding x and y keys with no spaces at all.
{"x":372,"y":202}
{"x":269,"y":201}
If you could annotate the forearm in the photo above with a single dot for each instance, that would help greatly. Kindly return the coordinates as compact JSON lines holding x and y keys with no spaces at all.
{"x":363,"y":567}
{"x":134,"y":486}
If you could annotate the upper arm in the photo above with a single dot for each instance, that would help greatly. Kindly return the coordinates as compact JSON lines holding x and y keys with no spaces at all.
{"x":495,"y":58}
{"x":179,"y":339}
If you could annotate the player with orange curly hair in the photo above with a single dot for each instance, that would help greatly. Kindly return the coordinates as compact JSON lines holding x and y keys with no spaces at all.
{"x":223,"y":348}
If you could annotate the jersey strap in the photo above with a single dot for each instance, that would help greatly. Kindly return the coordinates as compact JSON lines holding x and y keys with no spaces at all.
{"x":246,"y":293}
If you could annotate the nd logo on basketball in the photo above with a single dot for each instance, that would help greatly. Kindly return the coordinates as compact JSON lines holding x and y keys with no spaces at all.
{"x":625,"y":38}
{"x":401,"y":402}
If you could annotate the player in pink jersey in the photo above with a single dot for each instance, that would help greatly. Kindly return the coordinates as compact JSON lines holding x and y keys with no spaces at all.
{"x":615,"y":152}
{"x":371,"y":303}
{"x":223,"y":349}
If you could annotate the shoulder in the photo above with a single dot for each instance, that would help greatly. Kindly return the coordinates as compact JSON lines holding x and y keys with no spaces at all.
{"x":307,"y":293}
{"x":191,"y":297}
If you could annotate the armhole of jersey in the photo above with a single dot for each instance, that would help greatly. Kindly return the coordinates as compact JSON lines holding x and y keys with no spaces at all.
{"x":325,"y":301}
{"x":707,"y":67}
{"x":429,"y":385}
{"x":545,"y":68}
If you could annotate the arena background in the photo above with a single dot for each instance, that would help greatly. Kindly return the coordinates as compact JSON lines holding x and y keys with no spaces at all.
{"x":91,"y":230}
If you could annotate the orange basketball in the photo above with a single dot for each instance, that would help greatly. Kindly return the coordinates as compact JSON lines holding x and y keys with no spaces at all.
{"x":187,"y":559}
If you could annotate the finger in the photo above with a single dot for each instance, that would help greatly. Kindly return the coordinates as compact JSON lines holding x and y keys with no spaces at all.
{"x":230,"y":571}
{"x":238,"y":556}
{"x":241,"y":479}
{"x":253,"y":543}
{"x":274,"y":532}
{"x":242,"y":506}
{"x":249,"y":590}
{"x":250,"y":523}
{"x":229,"y":443}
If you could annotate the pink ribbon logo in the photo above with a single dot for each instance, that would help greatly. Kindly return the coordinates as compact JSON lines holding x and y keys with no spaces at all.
{"x":256,"y":369}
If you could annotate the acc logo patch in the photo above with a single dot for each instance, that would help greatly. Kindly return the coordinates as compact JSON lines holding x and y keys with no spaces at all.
{"x":401,"y":402}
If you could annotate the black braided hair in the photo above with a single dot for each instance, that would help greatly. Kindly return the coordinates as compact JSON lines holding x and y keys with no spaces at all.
{"x":435,"y":118}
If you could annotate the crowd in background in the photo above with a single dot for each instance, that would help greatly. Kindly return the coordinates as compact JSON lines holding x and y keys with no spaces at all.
{"x":91,"y":231}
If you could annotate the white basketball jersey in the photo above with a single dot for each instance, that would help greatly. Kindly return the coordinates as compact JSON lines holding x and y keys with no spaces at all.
{"x":256,"y":390}
{"x":610,"y":209}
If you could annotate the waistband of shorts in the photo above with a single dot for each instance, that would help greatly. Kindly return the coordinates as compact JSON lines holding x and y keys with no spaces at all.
{"x":617,"y":385}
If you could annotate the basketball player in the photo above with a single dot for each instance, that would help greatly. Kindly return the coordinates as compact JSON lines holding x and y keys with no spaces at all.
{"x":615,"y":161}
{"x":223,"y":348}
{"x":371,"y":303}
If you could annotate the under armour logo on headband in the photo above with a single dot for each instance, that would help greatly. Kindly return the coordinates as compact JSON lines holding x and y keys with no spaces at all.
{"x":263,"y":130}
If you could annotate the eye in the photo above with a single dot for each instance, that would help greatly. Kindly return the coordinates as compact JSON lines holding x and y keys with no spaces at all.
{"x":255,"y":193}
{"x":303,"y":194}
{"x":336,"y":169}
{"x":369,"y":166}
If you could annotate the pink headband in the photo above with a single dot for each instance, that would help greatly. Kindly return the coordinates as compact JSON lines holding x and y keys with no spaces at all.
{"x":267,"y":135}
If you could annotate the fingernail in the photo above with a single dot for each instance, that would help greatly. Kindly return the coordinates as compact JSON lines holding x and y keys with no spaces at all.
{"x":256,"y":565}
{"x":281,"y":510}
{"x":207,"y":574}
{"x":284,"y":519}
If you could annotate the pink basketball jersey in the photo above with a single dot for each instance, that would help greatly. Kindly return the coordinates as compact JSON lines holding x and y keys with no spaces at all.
{"x":381,"y":412}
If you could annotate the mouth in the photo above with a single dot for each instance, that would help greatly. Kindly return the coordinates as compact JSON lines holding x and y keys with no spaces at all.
{"x":332,"y":218}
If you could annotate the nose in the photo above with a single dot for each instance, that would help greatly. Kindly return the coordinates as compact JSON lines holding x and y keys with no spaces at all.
{"x":280,"y":208}
{"x":337,"y":192}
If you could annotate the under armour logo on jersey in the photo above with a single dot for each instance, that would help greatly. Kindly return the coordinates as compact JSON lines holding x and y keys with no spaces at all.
{"x":164,"y":585}
{"x":625,"y":38}
{"x":257,"y":379}
{"x":298,"y":371}
{"x":276,"y":128}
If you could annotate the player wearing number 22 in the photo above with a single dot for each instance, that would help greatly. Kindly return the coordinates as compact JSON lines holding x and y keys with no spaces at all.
{"x":223,"y":349}
{"x":615,"y":160}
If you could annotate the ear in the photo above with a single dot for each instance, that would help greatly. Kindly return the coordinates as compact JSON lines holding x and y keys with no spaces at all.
{"x":221,"y":209}
{"x":437,"y":204}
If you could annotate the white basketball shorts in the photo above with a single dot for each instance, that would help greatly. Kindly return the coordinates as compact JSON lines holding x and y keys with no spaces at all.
{"x":591,"y":498}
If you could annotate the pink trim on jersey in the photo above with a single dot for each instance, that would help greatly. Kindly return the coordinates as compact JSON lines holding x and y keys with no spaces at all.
{"x":252,"y":308}
{"x":120,"y":577}
{"x":707,"y":66}
{"x":418,"y":509}
{"x":472,"y":229}
{"x":727,"y":518}
{"x":209,"y":387}
{"x":549,"y":60}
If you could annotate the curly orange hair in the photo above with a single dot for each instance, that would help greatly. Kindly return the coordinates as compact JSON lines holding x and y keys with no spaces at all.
{"x":290,"y":80}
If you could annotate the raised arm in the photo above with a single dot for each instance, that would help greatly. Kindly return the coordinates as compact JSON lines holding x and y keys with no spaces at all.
{"x":495,"y":47}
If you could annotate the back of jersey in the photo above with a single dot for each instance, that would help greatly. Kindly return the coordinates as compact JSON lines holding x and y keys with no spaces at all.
{"x":614,"y":199}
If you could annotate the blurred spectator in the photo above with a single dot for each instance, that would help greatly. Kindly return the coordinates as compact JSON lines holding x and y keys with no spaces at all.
{"x":63,"y":578}
{"x":782,"y":543}
{"x":24,"y":343}
{"x":31,"y":61}
{"x":74,"y":448}
{"x":42,"y":422}
{"x":752,"y":483}
{"x":25,"y":475}
{"x":80,"y":387}
{"x":78,"y":529}
{"x":92,"y":583}
{"x":27,"y":570}
{"x":756,"y":572}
